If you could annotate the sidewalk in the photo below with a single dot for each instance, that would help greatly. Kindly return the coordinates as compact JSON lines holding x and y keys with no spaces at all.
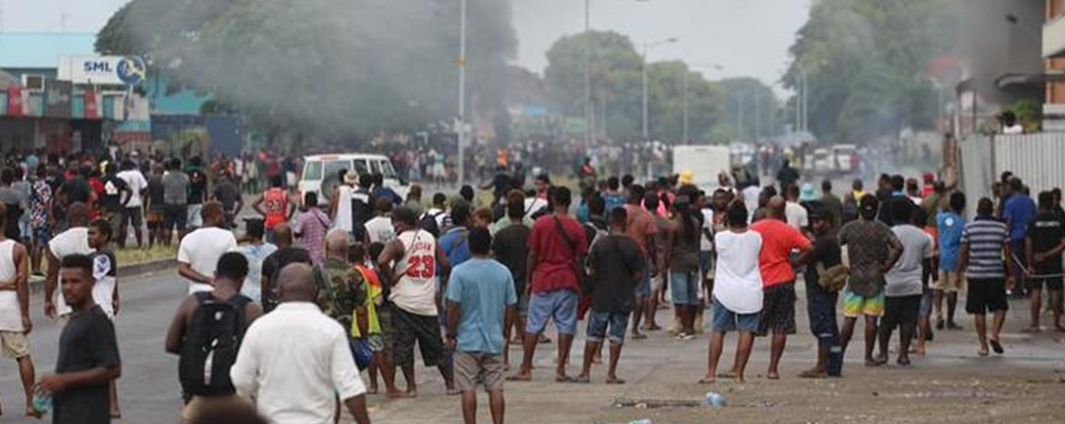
{"x":950,"y":385}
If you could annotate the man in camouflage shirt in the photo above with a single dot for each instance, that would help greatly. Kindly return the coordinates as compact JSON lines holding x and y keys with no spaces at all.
{"x":342,"y":290}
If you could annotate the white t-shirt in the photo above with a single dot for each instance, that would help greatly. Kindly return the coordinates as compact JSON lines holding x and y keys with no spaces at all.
{"x":750,"y":199}
{"x":70,"y":242}
{"x":343,"y":212}
{"x":201,"y":249}
{"x":380,"y":229}
{"x":706,"y":244}
{"x":136,"y":182}
{"x":904,"y":279}
{"x":737,"y":279}
{"x":796,"y":215}
{"x":10,"y":311}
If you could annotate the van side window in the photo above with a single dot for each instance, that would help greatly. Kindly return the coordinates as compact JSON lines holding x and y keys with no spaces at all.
{"x":312,"y":171}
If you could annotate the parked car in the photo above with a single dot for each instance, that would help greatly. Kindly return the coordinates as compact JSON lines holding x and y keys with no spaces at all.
{"x":320,"y":172}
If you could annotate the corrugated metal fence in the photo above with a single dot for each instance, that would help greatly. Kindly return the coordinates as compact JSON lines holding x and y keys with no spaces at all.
{"x":1038,"y":159}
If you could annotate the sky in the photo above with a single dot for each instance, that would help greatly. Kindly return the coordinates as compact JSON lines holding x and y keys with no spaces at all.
{"x":744,"y":37}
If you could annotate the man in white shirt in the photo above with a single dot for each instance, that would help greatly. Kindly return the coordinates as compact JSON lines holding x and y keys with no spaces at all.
{"x":380,"y":228}
{"x":794,"y":212}
{"x":132,"y":215}
{"x":70,"y":242}
{"x":200,"y":250}
{"x":298,"y":383}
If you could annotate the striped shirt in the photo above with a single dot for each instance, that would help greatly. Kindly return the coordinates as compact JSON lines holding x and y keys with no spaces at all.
{"x":986,"y":239}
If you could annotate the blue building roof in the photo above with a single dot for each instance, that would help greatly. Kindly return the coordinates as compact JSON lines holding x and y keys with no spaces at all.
{"x":42,"y":49}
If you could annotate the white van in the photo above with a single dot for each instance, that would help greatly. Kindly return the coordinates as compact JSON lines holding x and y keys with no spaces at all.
{"x":320,"y":172}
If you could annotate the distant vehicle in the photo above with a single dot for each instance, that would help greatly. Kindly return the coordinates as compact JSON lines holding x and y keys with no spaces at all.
{"x":704,"y":162}
{"x":742,"y":153}
{"x":320,"y":173}
{"x":822,"y":161}
{"x":846,"y":159}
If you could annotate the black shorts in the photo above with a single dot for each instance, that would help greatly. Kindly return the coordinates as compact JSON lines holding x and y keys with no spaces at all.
{"x":175,"y":216}
{"x":1051,"y":283}
{"x":986,"y":295}
{"x":901,"y":311}
{"x":133,"y":216}
{"x":778,"y":310}
{"x":413,"y":328}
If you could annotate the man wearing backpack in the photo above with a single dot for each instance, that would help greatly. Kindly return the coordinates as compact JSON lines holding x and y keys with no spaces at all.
{"x":217,"y":318}
{"x":436,"y":219}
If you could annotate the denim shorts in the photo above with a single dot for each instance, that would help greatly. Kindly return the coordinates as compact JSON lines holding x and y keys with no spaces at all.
{"x":821,"y":308}
{"x":644,"y":288}
{"x":685,"y":287}
{"x":726,"y":321}
{"x":559,"y":305}
{"x":611,"y":325}
{"x":926,"y":303}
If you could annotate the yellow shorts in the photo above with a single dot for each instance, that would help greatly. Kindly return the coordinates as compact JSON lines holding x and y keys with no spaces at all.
{"x":950,"y":282}
{"x":856,"y":305}
{"x":15,"y":344}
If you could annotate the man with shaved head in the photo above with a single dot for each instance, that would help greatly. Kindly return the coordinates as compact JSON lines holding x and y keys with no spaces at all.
{"x":299,"y":382}
{"x":776,"y":262}
{"x":345,"y":291}
{"x":285,"y":254}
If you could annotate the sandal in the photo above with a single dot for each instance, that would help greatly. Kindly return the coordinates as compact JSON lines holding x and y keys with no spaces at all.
{"x":996,"y":346}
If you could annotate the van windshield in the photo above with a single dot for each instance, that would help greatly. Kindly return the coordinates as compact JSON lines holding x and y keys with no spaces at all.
{"x":312,"y":171}
{"x":332,"y":167}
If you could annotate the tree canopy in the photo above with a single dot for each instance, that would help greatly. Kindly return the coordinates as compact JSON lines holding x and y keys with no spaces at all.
{"x":867,"y":64}
{"x":324,"y":68}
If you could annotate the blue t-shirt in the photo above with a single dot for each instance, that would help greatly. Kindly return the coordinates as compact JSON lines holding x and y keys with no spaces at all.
{"x":950,"y":226}
{"x":483,"y":288}
{"x":1019,"y":212}
{"x":613,"y":201}
{"x":456,"y":245}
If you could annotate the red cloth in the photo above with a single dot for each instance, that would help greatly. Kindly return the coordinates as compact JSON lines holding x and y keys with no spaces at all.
{"x":14,"y":100}
{"x":92,"y":111}
{"x":555,"y":267}
{"x":275,"y":203}
{"x":778,"y":240}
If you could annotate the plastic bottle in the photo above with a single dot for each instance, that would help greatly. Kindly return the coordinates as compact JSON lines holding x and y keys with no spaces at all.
{"x":42,"y":401}
{"x":714,"y":400}
{"x":641,"y":421}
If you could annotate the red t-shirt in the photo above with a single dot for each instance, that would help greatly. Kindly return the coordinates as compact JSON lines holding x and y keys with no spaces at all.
{"x":778,"y":240}
{"x":555,"y":267}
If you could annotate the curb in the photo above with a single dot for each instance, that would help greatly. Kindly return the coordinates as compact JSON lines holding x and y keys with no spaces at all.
{"x":36,"y":283}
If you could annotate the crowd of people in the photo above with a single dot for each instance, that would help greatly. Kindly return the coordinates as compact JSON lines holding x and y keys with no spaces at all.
{"x":362,"y":277}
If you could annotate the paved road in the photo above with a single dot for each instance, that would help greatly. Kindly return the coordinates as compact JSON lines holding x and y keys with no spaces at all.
{"x":1026,"y":384}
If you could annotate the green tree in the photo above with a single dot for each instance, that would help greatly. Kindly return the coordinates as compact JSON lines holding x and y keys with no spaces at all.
{"x":328,"y":69}
{"x":866,"y":63}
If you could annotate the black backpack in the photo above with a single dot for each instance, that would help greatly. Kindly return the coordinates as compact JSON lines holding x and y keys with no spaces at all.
{"x":211,"y":344}
{"x":429,"y":224}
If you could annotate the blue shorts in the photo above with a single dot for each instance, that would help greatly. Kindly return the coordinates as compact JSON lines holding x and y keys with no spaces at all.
{"x":926,"y":303}
{"x":644,"y":288}
{"x":725,"y":320}
{"x":821,"y":308}
{"x":559,"y":305}
{"x":611,"y":325}
{"x":685,"y":287}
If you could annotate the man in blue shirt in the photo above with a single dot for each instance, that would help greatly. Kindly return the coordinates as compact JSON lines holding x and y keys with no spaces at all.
{"x":455,"y":242}
{"x":1018,"y":212}
{"x":481,"y":308}
{"x":949,"y":224}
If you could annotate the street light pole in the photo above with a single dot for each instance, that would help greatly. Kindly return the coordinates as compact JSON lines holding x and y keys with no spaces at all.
{"x":462,"y":95}
{"x":646,"y":46}
{"x":587,"y":76}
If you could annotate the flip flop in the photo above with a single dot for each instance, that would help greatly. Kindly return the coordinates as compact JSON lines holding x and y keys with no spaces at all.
{"x":581,"y":380}
{"x":982,"y":353}
{"x":519,"y":377}
{"x":812,"y":375}
{"x":996,"y":346}
{"x":704,"y":381}
{"x":639,"y":336}
{"x":563,"y":379}
{"x":615,"y":381}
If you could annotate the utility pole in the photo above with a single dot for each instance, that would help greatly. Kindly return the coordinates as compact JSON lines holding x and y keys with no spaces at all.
{"x":462,"y":95}
{"x":587,"y":76}
{"x":646,"y":46}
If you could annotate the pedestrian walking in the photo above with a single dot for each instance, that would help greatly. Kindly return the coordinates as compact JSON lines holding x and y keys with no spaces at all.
{"x":88,"y":352}
{"x":737,"y":294}
{"x":15,"y":323}
{"x":211,"y":324}
{"x":74,"y":240}
{"x":823,"y":282}
{"x":984,"y":244}
{"x":616,"y":267}
{"x":872,"y":250}
{"x":949,"y":225}
{"x":199,"y":252}
{"x":904,"y":285}
{"x":299,"y":383}
{"x":481,"y":305}
{"x":311,"y":227}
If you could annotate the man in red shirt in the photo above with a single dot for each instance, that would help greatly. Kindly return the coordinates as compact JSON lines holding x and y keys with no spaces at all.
{"x":555,"y":244}
{"x":779,"y":240}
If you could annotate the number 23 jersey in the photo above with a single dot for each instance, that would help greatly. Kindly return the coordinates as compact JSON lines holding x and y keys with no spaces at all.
{"x":415,"y":292}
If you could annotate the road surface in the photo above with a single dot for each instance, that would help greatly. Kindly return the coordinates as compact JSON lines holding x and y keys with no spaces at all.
{"x":951,"y":385}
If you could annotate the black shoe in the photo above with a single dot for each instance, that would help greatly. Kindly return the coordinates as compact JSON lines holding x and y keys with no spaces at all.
{"x":939,"y":324}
